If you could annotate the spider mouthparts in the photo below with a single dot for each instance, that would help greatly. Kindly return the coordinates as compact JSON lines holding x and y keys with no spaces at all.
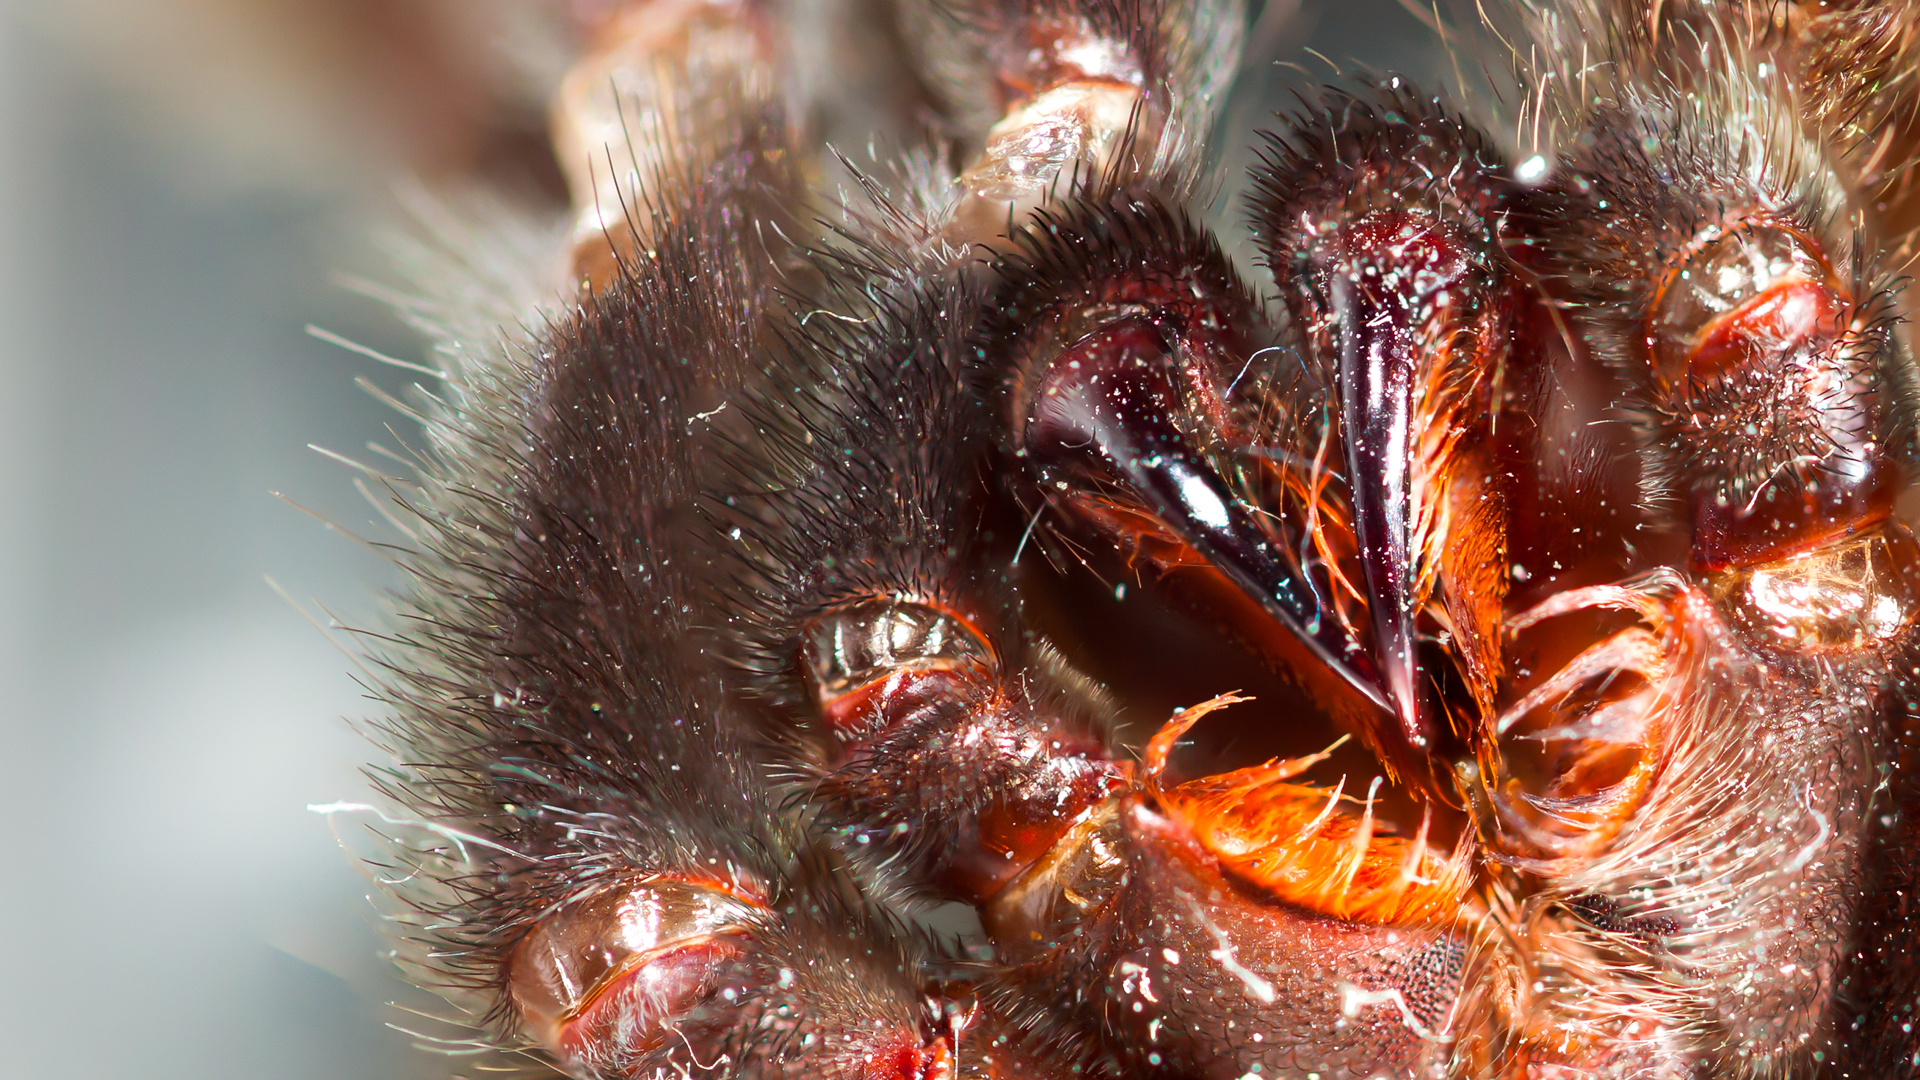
{"x":1327,"y":849}
{"x":1112,"y":418}
{"x":1376,"y":379}
{"x":1111,"y":414}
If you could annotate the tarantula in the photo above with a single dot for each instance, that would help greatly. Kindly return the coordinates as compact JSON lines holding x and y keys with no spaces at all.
{"x":796,"y":592}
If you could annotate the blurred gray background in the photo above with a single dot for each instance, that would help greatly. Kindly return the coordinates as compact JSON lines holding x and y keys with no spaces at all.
{"x":180,"y":183}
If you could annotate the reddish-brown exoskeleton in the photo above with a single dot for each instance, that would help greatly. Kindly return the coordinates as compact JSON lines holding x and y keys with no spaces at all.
{"x":789,"y":581}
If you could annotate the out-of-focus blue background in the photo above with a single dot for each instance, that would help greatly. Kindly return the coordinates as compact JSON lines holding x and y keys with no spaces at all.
{"x":180,"y":180}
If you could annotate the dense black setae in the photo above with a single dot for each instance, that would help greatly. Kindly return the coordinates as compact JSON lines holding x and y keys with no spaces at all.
{"x":623,"y":890}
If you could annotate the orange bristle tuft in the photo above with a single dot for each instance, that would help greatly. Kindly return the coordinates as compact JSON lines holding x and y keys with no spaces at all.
{"x":1304,"y":844}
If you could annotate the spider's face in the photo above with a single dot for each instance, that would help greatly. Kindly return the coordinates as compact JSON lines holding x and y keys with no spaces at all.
{"x":792,"y":578}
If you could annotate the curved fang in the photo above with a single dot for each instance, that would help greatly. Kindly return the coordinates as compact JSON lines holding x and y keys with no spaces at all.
{"x":1111,"y":411}
{"x":1376,"y":383}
